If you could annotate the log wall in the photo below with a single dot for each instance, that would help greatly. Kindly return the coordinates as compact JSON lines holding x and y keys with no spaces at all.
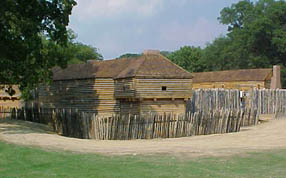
{"x":161,"y":106}
{"x":86,"y":95}
{"x":129,"y":107}
{"x":243,"y":85}
{"x":124,"y":88}
{"x":152,"y":88}
{"x":7,"y":102}
{"x":148,"y":95}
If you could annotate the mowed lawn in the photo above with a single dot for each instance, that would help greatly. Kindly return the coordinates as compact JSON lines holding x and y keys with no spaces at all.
{"x":20,"y":161}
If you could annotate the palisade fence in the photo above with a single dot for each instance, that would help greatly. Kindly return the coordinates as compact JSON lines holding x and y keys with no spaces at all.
{"x":268,"y":101}
{"x":214,"y":99}
{"x":210,"y":111}
{"x":5,"y":112}
{"x":70,"y":122}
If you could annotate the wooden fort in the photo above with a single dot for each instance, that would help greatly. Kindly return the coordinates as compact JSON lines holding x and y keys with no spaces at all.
{"x":243,"y":79}
{"x":140,"y":85}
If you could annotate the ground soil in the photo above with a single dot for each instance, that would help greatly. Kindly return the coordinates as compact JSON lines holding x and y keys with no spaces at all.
{"x":266,"y":136}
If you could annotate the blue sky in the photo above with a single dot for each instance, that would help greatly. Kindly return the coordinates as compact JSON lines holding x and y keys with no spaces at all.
{"x":116,"y":27}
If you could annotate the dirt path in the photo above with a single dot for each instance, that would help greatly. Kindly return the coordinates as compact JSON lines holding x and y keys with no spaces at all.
{"x":271,"y":135}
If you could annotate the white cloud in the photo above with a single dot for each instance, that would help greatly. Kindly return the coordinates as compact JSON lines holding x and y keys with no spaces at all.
{"x":120,"y":26}
{"x":90,"y":9}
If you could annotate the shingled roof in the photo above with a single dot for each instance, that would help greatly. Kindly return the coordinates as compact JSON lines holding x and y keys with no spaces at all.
{"x":233,"y":75}
{"x":145,"y":66}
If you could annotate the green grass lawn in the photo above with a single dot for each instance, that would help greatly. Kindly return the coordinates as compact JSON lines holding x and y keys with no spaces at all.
{"x":19,"y":161}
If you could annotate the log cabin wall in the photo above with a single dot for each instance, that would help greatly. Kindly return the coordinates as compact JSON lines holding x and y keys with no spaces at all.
{"x":142,"y":96}
{"x":242,"y":79}
{"x":97,"y":95}
{"x":129,"y":107}
{"x":161,"y":106}
{"x":124,"y":88}
{"x":240,"y":85}
{"x":14,"y":103}
{"x":91,"y":95}
{"x":147,"y":106}
{"x":163,"y":88}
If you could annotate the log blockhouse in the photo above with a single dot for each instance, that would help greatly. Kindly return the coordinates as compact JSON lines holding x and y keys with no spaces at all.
{"x":140,"y":85}
{"x":243,"y":79}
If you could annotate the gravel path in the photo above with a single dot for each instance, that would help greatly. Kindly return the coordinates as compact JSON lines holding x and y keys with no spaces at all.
{"x":266,"y":136}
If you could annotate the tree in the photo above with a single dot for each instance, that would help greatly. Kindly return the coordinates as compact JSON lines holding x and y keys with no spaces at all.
{"x":129,"y":55}
{"x":25,"y":58}
{"x":189,"y":58}
{"x":75,"y":51}
{"x":259,"y":29}
{"x":224,"y":54}
{"x":83,"y":53}
{"x":216,"y":55}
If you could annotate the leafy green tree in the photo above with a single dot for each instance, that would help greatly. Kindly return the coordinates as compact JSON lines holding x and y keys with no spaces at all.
{"x":189,"y":58}
{"x":82,"y":53}
{"x":258,"y":28}
{"x":224,"y":54}
{"x":77,"y":52}
{"x":87,"y":52}
{"x":216,"y":55}
{"x":25,"y":58}
{"x":258,"y":32}
{"x":129,"y":55}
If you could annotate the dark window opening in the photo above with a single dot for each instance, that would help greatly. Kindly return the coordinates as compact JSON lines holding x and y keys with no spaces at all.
{"x":164,"y":88}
